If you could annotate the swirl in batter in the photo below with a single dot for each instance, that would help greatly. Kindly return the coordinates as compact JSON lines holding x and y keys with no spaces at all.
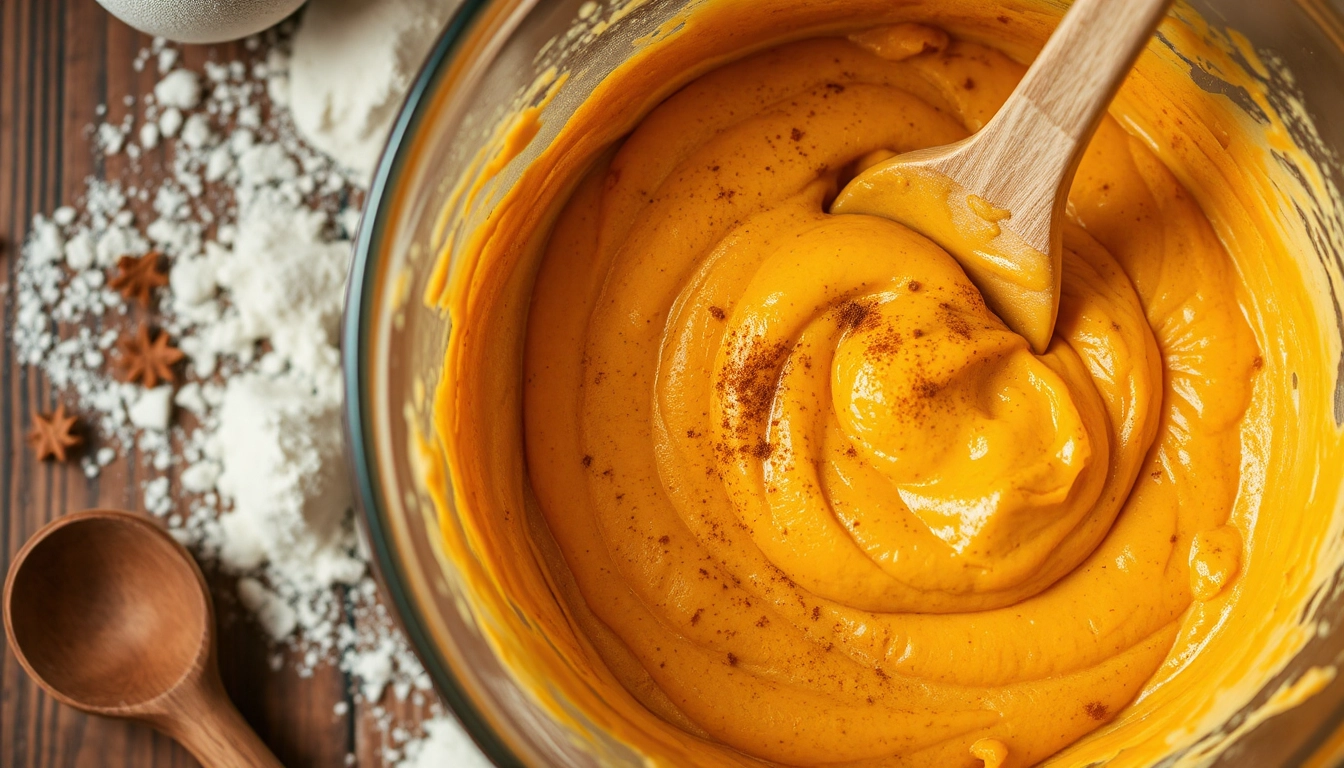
{"x":826,"y":506}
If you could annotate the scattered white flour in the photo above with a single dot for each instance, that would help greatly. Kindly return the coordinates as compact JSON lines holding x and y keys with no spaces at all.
{"x":243,"y":456}
{"x":281,"y":460}
{"x":445,"y":744}
{"x":353,"y":61}
{"x":288,"y":281}
{"x":152,"y":408}
{"x":180,"y":88}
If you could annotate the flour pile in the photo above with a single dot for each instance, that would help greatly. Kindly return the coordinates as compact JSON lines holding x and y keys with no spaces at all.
{"x":444,"y":746}
{"x":243,"y":455}
{"x":353,"y":61}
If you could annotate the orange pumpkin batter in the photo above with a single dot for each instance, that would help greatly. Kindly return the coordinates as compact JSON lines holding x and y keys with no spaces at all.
{"x":811,"y":501}
{"x":813,"y":483}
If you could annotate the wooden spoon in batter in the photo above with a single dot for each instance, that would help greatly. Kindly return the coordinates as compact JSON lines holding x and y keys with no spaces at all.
{"x":995,"y":201}
{"x":110,"y":615}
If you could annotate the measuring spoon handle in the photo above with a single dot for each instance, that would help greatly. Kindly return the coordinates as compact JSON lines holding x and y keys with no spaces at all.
{"x":204,"y":720}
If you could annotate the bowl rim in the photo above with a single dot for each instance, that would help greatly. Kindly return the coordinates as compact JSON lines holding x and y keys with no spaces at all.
{"x":359,"y":409}
{"x":1326,"y":742}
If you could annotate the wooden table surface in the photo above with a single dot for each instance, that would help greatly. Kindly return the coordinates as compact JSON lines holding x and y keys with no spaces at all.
{"x":59,"y":60}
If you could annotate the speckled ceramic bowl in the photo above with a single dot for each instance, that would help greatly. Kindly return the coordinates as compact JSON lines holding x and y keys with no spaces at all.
{"x":201,"y":21}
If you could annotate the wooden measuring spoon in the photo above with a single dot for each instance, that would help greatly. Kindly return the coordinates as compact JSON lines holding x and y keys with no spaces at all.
{"x":110,"y":615}
{"x":995,"y":201}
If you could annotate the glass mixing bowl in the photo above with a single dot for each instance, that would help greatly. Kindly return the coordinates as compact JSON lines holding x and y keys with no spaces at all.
{"x":393,"y":349}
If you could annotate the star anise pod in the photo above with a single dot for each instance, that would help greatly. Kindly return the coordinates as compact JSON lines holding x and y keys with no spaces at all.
{"x":147,"y":359}
{"x":138,"y":276}
{"x":52,"y":434}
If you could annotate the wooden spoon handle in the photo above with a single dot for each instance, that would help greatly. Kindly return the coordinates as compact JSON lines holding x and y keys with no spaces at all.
{"x":1083,"y":63}
{"x":1024,"y":158}
{"x":205,"y":721}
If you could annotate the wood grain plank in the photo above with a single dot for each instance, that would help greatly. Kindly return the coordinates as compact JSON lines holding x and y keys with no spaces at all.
{"x":60,"y":59}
